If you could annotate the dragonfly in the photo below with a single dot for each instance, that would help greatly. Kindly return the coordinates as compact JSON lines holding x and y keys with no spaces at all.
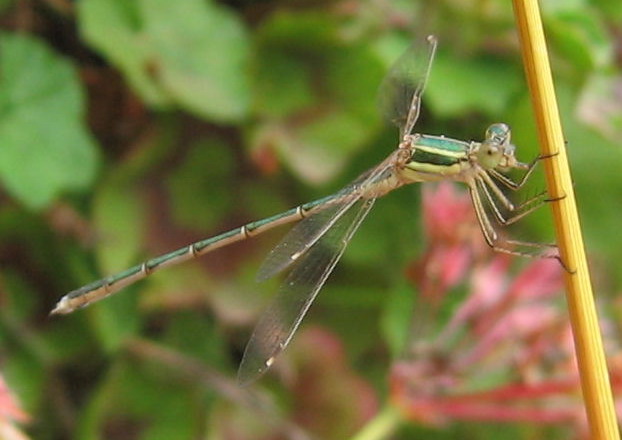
{"x":312,"y":248}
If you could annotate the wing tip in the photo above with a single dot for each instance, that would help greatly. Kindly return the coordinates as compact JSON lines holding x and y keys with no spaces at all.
{"x":249,"y":371}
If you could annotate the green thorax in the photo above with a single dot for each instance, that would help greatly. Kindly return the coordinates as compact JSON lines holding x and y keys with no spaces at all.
{"x":437,"y":157}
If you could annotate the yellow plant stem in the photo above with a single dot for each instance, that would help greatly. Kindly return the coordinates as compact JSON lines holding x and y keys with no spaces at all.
{"x":588,"y":342}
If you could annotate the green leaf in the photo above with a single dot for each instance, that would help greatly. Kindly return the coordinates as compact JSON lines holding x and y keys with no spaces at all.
{"x":26,"y":376}
{"x":457,"y":86}
{"x":396,"y":322}
{"x":190,"y":53}
{"x":274,"y":97}
{"x":596,"y":168}
{"x":116,"y":320}
{"x":4,"y":4}
{"x":600,"y":105}
{"x":44,"y":147}
{"x":119,"y":220}
{"x":182,"y":332}
{"x":173,"y":418}
{"x":610,"y":9}
{"x":314,"y":94}
{"x":581,"y":37}
{"x":199,"y":199}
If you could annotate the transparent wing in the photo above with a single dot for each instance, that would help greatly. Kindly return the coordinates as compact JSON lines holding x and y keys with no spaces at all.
{"x":303,"y":236}
{"x":399,"y":96}
{"x":309,"y":230}
{"x":279,"y":322}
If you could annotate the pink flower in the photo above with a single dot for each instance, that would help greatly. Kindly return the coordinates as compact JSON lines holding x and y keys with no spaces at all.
{"x":450,"y":226}
{"x":506,"y":351}
{"x":10,"y":412}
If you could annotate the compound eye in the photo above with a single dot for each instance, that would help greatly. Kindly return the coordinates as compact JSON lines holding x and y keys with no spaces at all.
{"x":498,"y":133}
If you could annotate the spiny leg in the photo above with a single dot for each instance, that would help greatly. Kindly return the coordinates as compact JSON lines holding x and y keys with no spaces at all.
{"x":490,"y":235}
{"x":485,"y":176}
{"x":530,"y":167}
{"x":539,"y":199}
{"x":481,"y":184}
{"x":492,"y":238}
{"x":517,"y":212}
{"x":485,"y":180}
{"x":550,"y":246}
{"x":532,"y":244}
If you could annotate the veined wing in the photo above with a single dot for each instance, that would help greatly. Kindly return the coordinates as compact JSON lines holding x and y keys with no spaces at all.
{"x":399,"y":96}
{"x":305,"y":234}
{"x":280,"y":321}
{"x":309,"y":230}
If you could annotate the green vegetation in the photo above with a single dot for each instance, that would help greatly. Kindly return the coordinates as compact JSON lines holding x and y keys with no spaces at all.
{"x":128,"y":129}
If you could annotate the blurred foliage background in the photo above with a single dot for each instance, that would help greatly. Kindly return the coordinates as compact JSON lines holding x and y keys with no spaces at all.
{"x":128,"y":129}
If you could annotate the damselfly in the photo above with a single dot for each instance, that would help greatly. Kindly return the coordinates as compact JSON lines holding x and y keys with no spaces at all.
{"x":313,"y":247}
